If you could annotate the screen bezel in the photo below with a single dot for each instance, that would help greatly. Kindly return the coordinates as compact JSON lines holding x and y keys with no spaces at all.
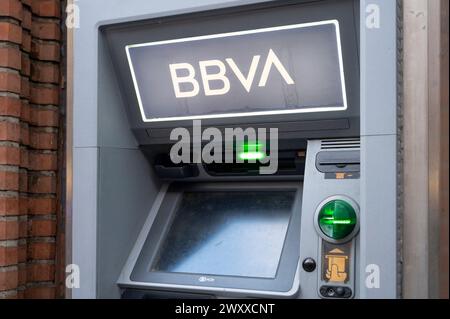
{"x":288,"y":262}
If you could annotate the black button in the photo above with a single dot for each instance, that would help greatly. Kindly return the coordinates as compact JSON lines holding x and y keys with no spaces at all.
{"x":309,"y":265}
{"x":340,"y":291}
{"x":348,"y":293}
{"x":335,"y":292}
{"x":331,"y":292}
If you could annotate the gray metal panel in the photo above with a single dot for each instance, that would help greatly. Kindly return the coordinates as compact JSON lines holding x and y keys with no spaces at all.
{"x":113,"y":127}
{"x":315,"y":190}
{"x":379,"y":70}
{"x":378,"y":213}
{"x":84,"y":222}
{"x":127,"y":190}
{"x":379,"y":149}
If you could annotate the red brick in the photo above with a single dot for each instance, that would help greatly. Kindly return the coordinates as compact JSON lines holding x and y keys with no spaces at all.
{"x":22,"y":272}
{"x":8,"y":256}
{"x":46,"y":30}
{"x":25,"y":88}
{"x":10,"y":57}
{"x":26,"y":18}
{"x":10,"y":106}
{"x":46,"y":8}
{"x":27,"y":3}
{"x":41,"y":251}
{"x":45,"y":51}
{"x":9,"y":131}
{"x":40,"y":292}
{"x":44,"y":95}
{"x":42,"y":140}
{"x":9,"y":155}
{"x":23,"y":229}
{"x":26,"y":41}
{"x":9,"y":230}
{"x":9,"y":181}
{"x":43,"y":161}
{"x":23,"y":181}
{"x":10,"y":82}
{"x":11,"y":8}
{"x":40,"y":272}
{"x":41,"y":206}
{"x":22,"y":253}
{"x":24,"y":134}
{"x":44,"y":117}
{"x":25,"y":111}
{"x":45,"y":72}
{"x":26,"y":65}
{"x":23,"y":205}
{"x":9,"y":206}
{"x":10,"y":32}
{"x":42,"y":228}
{"x":8,"y":280}
{"x":41,"y":184}
{"x":24,"y":158}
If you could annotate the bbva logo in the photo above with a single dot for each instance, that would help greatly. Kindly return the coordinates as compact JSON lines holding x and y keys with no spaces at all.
{"x":220,"y":75}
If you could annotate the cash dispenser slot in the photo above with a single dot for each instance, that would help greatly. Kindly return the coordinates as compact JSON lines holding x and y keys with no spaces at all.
{"x":338,"y":161}
{"x":166,"y":169}
{"x":289,"y":163}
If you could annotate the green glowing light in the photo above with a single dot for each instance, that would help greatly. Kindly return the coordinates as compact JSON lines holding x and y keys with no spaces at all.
{"x":337,"y":219}
{"x":337,"y":222}
{"x":248,"y":156}
{"x":252,"y":147}
{"x":251,"y":152}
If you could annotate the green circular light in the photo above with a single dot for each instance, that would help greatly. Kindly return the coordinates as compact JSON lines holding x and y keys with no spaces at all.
{"x":337,"y":219}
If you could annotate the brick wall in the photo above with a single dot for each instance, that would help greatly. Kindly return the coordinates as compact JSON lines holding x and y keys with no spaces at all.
{"x":30,"y":35}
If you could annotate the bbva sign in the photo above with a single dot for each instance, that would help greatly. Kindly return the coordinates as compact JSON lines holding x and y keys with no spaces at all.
{"x":221,"y":75}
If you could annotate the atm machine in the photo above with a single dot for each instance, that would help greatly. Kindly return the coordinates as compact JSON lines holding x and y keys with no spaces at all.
{"x":226,"y":228}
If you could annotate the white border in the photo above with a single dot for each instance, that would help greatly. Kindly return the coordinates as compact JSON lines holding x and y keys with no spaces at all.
{"x":230,"y":34}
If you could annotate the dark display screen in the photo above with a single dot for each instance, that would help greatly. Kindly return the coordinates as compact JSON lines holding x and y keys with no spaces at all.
{"x":227,"y":233}
{"x":280,"y":70}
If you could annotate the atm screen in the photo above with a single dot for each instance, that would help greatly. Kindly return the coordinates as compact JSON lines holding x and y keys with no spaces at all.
{"x":239,"y":234}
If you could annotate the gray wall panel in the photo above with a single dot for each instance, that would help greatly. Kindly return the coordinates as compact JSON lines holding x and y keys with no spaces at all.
{"x":84,"y":219}
{"x":379,"y":149}
{"x":126,"y":194}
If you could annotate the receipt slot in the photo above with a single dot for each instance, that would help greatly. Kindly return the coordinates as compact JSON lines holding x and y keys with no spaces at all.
{"x":176,"y":204}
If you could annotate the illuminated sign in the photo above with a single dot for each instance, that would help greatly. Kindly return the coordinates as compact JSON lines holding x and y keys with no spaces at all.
{"x":279,"y":70}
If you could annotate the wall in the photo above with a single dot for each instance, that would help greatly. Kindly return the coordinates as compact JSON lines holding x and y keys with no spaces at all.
{"x":425,"y":147}
{"x":30,"y":43}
